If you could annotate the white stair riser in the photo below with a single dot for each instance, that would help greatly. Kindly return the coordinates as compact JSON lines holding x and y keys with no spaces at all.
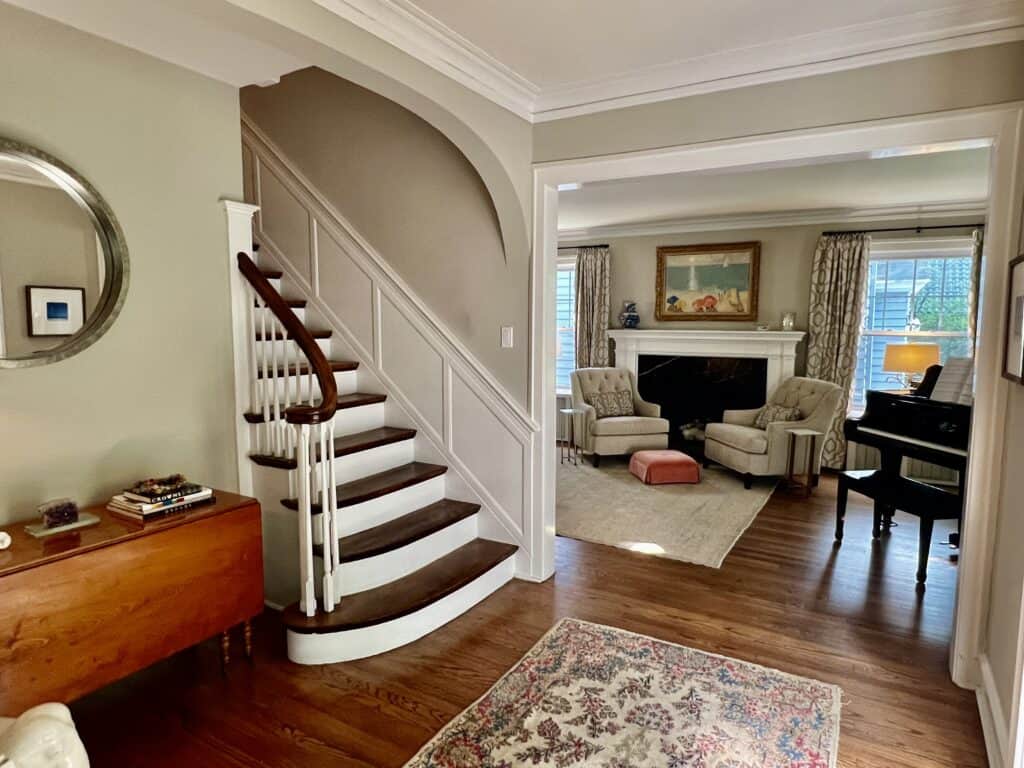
{"x":347,"y":381}
{"x":374,"y":571}
{"x":359,"y":517}
{"x":334,"y":647}
{"x":286,"y":348}
{"x":356,"y":466}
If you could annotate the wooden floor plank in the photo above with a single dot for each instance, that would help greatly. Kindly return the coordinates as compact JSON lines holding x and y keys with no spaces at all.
{"x":784,"y":598}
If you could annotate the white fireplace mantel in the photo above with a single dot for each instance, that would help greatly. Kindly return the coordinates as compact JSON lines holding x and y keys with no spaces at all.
{"x":777,"y":347}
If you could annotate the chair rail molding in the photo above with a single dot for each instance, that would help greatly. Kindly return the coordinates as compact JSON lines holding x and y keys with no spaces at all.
{"x":777,"y":347}
{"x":487,"y":438}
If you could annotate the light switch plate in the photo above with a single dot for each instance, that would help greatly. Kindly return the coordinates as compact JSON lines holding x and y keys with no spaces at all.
{"x":507,"y":341}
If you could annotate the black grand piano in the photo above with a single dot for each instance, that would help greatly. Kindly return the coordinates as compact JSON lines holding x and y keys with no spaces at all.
{"x":915,"y":426}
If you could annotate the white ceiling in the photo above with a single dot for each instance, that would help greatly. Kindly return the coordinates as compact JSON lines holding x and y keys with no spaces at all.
{"x":547,"y":59}
{"x":941,"y":181}
{"x":173,"y":33}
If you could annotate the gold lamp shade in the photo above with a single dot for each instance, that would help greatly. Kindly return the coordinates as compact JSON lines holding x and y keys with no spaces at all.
{"x":910,"y":358}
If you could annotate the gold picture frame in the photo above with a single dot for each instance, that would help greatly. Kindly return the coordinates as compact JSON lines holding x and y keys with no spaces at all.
{"x":717,"y":281}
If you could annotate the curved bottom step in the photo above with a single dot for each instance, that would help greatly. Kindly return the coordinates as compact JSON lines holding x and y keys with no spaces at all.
{"x":344,"y":635}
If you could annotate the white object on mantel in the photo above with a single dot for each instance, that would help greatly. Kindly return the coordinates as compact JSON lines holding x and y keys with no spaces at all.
{"x":5,"y":540}
{"x":777,"y":347}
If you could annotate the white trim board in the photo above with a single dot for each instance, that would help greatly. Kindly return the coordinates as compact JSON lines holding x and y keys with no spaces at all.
{"x":1001,"y":126}
{"x":993,"y":725}
{"x":797,"y":218}
{"x":404,"y":25}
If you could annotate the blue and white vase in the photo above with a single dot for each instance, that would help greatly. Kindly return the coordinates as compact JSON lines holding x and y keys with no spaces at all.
{"x":629,"y":317}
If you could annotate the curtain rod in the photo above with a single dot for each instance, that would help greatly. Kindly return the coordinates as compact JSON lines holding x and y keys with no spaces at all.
{"x":903,"y":229}
{"x":577,"y":247}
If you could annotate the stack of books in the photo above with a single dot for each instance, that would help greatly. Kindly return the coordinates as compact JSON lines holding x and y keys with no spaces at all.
{"x":159,"y":496}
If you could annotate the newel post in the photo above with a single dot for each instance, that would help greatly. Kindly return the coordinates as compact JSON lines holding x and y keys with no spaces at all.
{"x":239,"y":231}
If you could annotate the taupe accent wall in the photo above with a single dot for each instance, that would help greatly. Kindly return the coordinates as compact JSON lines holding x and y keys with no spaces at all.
{"x":155,"y":394}
{"x":414,"y":197}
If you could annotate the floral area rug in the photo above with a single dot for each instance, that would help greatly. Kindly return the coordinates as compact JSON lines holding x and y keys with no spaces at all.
{"x":591,"y":695}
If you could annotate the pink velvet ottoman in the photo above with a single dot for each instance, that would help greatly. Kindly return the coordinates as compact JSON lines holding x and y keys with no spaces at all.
{"x":657,"y":467}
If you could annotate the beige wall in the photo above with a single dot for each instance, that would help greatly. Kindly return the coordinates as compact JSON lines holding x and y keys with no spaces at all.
{"x":155,"y":394}
{"x":414,"y":196}
{"x":967,"y":78}
{"x":45,"y":239}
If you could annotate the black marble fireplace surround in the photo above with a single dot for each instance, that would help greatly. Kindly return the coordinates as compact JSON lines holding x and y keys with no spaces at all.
{"x":699,"y":389}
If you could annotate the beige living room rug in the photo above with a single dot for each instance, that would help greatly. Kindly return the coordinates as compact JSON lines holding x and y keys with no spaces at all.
{"x":696,"y":523}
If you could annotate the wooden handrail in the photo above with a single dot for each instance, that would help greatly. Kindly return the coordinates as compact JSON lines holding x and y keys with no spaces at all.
{"x":296,"y":414}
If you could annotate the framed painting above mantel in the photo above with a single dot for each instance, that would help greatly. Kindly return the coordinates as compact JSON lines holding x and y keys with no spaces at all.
{"x":717,"y":281}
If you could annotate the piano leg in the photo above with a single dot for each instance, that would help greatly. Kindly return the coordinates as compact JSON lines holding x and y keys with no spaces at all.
{"x":876,"y":527}
{"x":887,"y":518}
{"x":841,"y":495}
{"x":923,"y":548}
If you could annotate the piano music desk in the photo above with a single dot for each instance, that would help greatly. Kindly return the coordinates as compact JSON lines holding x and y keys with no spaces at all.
{"x":895,"y":492}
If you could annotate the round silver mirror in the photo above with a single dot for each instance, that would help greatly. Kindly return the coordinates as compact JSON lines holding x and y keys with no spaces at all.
{"x":63,"y":259}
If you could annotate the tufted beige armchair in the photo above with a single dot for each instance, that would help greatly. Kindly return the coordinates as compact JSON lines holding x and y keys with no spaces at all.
{"x":736,"y":443}
{"x":614,"y":435}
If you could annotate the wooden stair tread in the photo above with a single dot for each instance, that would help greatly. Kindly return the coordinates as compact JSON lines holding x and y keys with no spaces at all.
{"x":353,"y":400}
{"x":380,"y":484}
{"x":292,"y":303}
{"x":403,"y":530}
{"x":406,"y":595}
{"x":320,"y":334}
{"x":336,"y":365}
{"x":345,"y":445}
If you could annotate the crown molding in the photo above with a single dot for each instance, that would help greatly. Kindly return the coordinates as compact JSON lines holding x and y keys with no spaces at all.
{"x":420,"y":35}
{"x":780,"y":219}
{"x":876,"y":42}
{"x":410,"y":29}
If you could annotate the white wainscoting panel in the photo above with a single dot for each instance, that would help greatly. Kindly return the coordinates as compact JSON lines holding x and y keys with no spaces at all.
{"x":284,"y":221}
{"x":344,"y":287}
{"x":488,"y":449}
{"x":412,"y":364}
{"x":464,"y":417}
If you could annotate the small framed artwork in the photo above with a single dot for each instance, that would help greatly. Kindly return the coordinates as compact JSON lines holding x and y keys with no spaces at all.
{"x":708,"y":282}
{"x":54,"y":310}
{"x":1013,"y":360}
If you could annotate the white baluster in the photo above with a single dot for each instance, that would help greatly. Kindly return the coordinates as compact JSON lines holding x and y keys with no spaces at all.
{"x":332,"y":493}
{"x":265,"y":381}
{"x":279,"y":427}
{"x":252,"y":304}
{"x":307,"y":598}
{"x":325,"y":520}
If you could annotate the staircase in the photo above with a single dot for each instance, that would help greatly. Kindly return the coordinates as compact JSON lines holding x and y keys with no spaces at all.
{"x":361,"y":527}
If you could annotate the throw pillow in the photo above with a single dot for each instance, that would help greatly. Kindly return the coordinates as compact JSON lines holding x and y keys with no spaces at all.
{"x":617,"y":403}
{"x":770,"y":413}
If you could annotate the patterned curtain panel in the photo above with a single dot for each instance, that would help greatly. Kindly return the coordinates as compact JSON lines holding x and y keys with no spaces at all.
{"x":838,"y":280}
{"x":972,"y":309}
{"x":593,"y":274}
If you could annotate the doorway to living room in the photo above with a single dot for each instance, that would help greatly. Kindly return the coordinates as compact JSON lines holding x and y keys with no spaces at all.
{"x":993,"y":129}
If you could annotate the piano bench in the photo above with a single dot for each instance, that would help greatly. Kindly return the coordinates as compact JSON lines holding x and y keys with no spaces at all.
{"x":894,"y":492}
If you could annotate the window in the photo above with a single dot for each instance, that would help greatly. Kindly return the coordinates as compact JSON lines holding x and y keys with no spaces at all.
{"x":921,"y":295}
{"x":565,"y":314}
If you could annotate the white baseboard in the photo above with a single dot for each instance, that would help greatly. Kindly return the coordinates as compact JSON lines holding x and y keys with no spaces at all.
{"x":997,"y":740}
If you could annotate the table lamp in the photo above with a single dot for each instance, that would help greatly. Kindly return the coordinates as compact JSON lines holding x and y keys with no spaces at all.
{"x":911,"y":360}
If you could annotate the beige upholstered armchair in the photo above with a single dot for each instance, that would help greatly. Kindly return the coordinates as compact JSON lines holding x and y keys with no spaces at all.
{"x":614,"y":435}
{"x":738,"y":444}
{"x":43,"y":737}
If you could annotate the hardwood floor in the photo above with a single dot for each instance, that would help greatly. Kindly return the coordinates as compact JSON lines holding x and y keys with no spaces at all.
{"x":784,"y":598}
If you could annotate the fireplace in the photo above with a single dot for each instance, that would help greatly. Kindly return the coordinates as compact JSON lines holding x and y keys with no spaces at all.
{"x":694,"y":391}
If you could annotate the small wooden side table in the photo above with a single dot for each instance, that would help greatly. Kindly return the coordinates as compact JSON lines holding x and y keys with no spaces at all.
{"x":569,"y":451}
{"x":810,"y":476}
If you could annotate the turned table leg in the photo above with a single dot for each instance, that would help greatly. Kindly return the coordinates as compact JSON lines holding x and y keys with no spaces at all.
{"x":225,"y":648}
{"x":247,"y":635}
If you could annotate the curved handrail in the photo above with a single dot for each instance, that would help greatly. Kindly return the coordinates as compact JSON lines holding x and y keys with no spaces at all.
{"x":296,"y":414}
